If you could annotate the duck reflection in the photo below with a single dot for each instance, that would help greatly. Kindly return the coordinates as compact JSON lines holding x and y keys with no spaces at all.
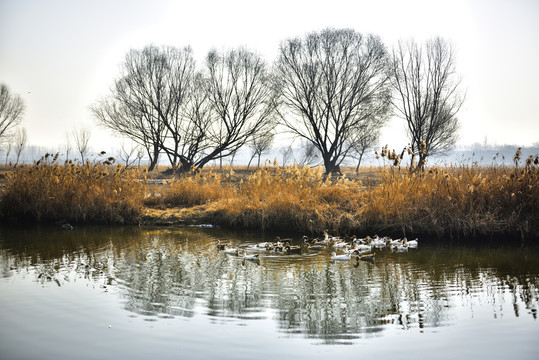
{"x":179,"y":272}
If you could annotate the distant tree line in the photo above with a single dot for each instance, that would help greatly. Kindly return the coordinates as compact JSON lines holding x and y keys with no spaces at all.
{"x":334,"y":89}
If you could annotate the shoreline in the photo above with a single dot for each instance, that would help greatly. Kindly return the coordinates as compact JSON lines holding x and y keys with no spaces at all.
{"x":451,"y":203}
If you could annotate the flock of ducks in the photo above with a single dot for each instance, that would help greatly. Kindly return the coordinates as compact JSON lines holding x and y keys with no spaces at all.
{"x":342,"y":249}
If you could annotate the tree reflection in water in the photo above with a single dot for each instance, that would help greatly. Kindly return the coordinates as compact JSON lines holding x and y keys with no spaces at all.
{"x":178,"y":272}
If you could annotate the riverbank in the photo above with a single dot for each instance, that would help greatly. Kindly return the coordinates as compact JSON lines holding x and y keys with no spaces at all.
{"x":463,"y":201}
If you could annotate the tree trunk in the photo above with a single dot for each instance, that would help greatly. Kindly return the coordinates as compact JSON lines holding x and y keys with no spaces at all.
{"x":154,"y":158}
{"x":359,"y":161}
{"x":153,"y":162}
{"x":251,"y":159}
{"x":331,"y":166}
{"x":422,"y":161}
{"x":186,"y":165}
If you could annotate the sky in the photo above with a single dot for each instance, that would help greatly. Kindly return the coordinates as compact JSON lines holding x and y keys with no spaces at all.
{"x":61,"y":56}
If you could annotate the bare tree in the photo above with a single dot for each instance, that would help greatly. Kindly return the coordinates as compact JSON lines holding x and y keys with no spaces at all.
{"x":11,"y":111}
{"x":20,"y":138}
{"x":259,"y":146}
{"x":428,"y":95}
{"x":145,"y":104}
{"x":193,"y":117}
{"x":241,"y":102}
{"x":139,"y":155}
{"x":129,"y":153}
{"x":67,"y":145}
{"x":364,"y":139}
{"x":309,"y":153}
{"x":81,"y":137}
{"x":287,"y":154}
{"x":332,"y":82}
{"x":8,"y":148}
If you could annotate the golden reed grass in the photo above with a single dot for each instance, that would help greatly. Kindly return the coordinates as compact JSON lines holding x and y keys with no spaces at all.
{"x":456,"y":201}
{"x":189,"y":190}
{"x":453,"y":201}
{"x":92,"y":193}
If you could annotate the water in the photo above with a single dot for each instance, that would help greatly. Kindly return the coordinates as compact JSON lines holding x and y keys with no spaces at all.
{"x":133,"y":293}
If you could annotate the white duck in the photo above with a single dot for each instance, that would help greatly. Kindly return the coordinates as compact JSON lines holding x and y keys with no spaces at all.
{"x":400,"y":248}
{"x":363,"y":247}
{"x":343,"y":257}
{"x":263,"y":246}
{"x":330,"y":239}
{"x":340,"y":245}
{"x":378,"y":242}
{"x":251,"y":257}
{"x":396,"y":242}
{"x":411,"y":243}
{"x":230,"y":251}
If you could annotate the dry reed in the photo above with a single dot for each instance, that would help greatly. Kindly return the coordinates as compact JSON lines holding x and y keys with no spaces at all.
{"x":453,"y":201}
{"x":48,"y":191}
{"x":189,"y":190}
{"x":456,"y":201}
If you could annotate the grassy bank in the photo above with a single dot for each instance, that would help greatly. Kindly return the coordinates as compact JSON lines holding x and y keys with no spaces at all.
{"x":453,"y":201}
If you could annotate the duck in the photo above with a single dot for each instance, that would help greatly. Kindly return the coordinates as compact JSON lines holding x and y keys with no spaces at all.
{"x":330,"y":239}
{"x":343,"y":257}
{"x":411,"y":243}
{"x":315,"y":247}
{"x":306,"y":240}
{"x":395,"y":242}
{"x":250,"y":257}
{"x":292,"y":249}
{"x":366,"y":240}
{"x":66,"y":227}
{"x":220,"y":246}
{"x":259,"y":247}
{"x":279,"y":240}
{"x":367,"y":257}
{"x":400,"y":248}
{"x":363,"y":247}
{"x":340,"y":244}
{"x":378,"y":242}
{"x":274,"y":247}
{"x":230,"y":251}
{"x":313,"y":244}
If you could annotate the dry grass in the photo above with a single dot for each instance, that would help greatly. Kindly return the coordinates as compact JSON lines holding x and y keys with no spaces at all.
{"x":47,"y":190}
{"x":189,"y":190}
{"x":293,"y":198}
{"x":454,"y":201}
{"x":457,"y":201}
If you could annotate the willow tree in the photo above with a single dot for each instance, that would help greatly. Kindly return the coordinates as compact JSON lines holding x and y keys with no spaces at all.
{"x":146,"y":101}
{"x":163,"y":102}
{"x":428,"y":95}
{"x":332,"y":83}
{"x":238,"y":103}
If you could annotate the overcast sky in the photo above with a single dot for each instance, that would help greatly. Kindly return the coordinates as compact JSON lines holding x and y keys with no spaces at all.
{"x":62,"y":55}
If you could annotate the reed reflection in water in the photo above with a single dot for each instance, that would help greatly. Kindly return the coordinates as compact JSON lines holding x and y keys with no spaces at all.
{"x":165,"y":273}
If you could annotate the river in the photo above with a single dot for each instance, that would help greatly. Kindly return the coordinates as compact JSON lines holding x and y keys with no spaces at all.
{"x":168,"y":292}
